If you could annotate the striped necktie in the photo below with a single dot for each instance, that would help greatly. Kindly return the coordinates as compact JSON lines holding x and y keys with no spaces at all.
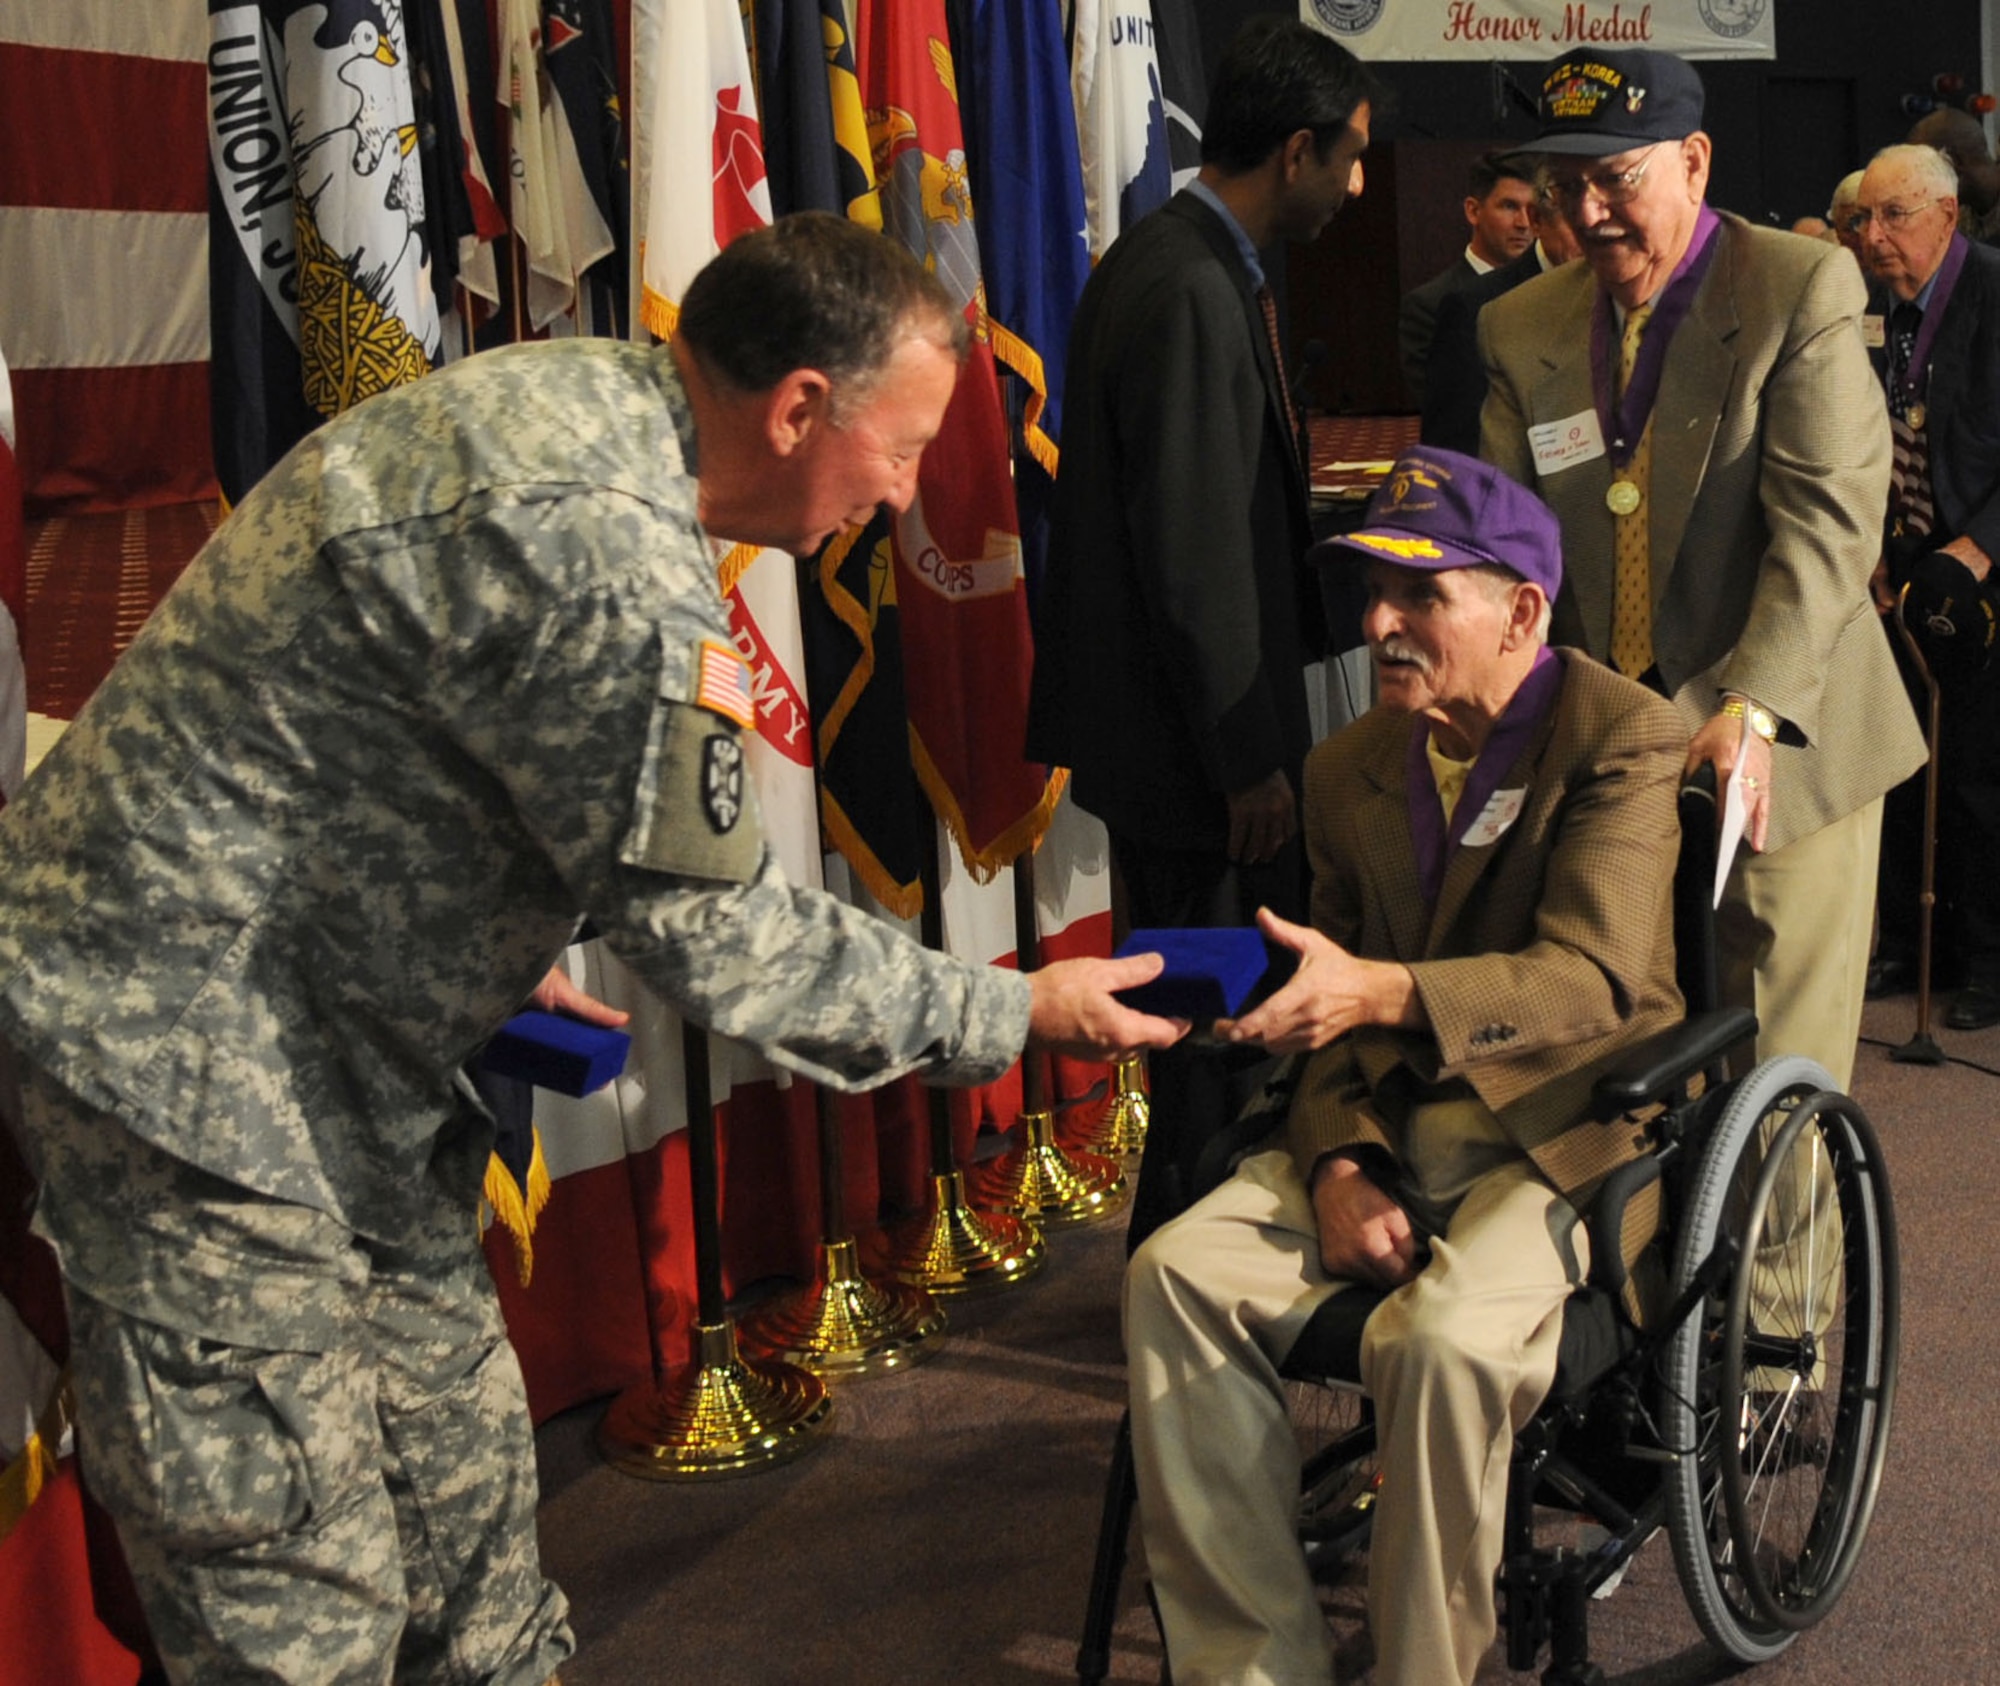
{"x":1269,"y":306}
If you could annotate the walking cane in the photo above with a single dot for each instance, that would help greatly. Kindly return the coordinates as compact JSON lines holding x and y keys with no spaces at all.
{"x":1922,"y":1048}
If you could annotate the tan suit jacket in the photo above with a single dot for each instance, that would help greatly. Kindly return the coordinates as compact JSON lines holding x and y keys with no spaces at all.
{"x":1549,"y":950}
{"x":1770,"y":476}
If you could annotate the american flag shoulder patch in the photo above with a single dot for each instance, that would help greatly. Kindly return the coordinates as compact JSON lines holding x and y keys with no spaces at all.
{"x":722,"y":683}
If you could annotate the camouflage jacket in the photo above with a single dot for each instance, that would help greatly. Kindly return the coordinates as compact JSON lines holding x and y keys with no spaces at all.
{"x":432,"y":691}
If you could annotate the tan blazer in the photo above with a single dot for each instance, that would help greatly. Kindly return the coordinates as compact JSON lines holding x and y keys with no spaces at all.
{"x":1550,"y":950}
{"x":1769,"y":481}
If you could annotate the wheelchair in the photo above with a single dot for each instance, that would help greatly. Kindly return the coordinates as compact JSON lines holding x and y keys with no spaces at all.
{"x":1749,"y":1417}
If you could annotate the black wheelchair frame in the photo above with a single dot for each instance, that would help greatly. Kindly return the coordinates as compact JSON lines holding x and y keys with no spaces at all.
{"x":1750,"y":1418}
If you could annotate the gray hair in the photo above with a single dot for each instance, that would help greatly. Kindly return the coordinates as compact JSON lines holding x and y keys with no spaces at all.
{"x":814,"y":291}
{"x":1932,"y":169}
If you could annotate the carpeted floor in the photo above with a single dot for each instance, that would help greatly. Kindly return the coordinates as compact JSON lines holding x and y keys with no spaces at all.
{"x":92,"y":581}
{"x":944,"y":1531}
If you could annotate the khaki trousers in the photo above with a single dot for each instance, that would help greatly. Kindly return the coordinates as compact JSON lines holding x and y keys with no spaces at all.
{"x":1456,"y":1361}
{"x":1793,"y":930}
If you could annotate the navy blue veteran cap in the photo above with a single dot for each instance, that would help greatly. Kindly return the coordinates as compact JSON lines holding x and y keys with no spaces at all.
{"x":1439,"y":509}
{"x":1593,"y":104}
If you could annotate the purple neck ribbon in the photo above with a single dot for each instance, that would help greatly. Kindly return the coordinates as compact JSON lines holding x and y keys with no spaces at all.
{"x":1503,"y":746}
{"x":1917,"y":375}
{"x":1624,"y":420}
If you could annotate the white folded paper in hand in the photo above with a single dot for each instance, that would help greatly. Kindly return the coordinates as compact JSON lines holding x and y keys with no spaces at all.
{"x":1735,"y":812}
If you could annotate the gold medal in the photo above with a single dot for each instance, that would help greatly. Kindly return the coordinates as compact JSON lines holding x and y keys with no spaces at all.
{"x":1622,"y":498}
{"x":1914,"y":415}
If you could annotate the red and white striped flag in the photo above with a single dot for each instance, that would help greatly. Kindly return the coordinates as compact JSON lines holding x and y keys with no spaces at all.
{"x":104,"y":250}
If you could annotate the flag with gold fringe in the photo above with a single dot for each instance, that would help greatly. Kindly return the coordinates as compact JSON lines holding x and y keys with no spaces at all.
{"x":871,"y":808}
{"x":1027,"y":181}
{"x":957,"y":550}
{"x":704,"y":171}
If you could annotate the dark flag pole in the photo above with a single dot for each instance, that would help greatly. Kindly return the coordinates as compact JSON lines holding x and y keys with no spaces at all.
{"x":953,"y":1248}
{"x":718,"y":1414}
{"x":1041,"y":1179}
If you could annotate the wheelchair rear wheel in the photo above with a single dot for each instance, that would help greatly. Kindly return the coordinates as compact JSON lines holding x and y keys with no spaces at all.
{"x":1779,"y":1386}
{"x":1338,"y":1473}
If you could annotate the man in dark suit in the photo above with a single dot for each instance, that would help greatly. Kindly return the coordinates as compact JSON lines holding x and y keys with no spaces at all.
{"x":1493,"y":849}
{"x":1721,"y":508}
{"x":1961,"y":137}
{"x":1455,"y":379}
{"x":1499,"y":212}
{"x":1176,"y":616}
{"x":1938,"y":353}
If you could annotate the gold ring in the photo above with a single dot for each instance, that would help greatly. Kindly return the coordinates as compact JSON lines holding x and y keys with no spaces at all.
{"x":1750,"y":783}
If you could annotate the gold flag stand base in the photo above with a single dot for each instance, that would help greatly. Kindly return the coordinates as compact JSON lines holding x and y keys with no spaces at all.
{"x":951,"y":1249}
{"x":845,"y":1324}
{"x":1043,"y":1181}
{"x":1121,"y":1132}
{"x":716,"y":1416}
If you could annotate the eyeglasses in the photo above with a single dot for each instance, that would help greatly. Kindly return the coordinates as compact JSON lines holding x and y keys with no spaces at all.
{"x":1613,"y":189}
{"x":1894,"y":218}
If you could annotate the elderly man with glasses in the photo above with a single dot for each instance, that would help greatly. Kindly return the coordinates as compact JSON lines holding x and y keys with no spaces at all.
{"x":1937,"y":350}
{"x":1695,"y":403}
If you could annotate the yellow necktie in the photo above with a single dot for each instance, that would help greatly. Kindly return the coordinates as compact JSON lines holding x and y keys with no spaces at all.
{"x":1632,"y":580}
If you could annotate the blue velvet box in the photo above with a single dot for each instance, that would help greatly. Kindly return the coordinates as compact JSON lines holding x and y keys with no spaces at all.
{"x":552,"y":1052}
{"x":1210,"y":972}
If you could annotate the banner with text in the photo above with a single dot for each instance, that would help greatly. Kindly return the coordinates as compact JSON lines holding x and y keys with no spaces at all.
{"x":1539,"y":29}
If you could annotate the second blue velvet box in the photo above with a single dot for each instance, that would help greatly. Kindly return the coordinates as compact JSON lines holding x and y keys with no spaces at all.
{"x":1210,"y":972}
{"x":552,"y":1052}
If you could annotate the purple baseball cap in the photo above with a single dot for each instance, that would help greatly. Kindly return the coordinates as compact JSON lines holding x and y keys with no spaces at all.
{"x":1441,"y":509}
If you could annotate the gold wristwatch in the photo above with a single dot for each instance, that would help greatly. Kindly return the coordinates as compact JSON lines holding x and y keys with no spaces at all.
{"x":1762,"y":721}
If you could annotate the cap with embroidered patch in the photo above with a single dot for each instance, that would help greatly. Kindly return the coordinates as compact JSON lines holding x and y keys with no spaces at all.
{"x":1593,"y":104}
{"x":1440,"y":509}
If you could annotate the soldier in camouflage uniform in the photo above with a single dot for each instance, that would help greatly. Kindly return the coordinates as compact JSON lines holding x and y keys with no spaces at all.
{"x":453,"y":674}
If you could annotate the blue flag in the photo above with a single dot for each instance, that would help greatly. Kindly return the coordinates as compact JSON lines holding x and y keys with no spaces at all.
{"x":1027,"y":180}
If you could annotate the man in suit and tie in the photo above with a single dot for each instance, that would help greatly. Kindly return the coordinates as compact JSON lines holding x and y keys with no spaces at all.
{"x":1176,"y":615}
{"x":1938,"y":355}
{"x":1455,"y":379}
{"x":1499,"y":212}
{"x":1721,"y":505}
{"x":1493,"y":848}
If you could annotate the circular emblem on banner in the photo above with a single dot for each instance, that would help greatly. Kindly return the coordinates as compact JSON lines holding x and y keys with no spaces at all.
{"x":1732,"y":18}
{"x":721,"y":782}
{"x":1356,"y":17}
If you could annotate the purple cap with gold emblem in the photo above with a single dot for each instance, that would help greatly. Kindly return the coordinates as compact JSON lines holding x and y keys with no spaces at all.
{"x":1439,"y":509}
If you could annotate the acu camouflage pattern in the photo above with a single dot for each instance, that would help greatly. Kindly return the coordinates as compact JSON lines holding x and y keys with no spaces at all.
{"x":423,"y":700}
{"x":324,"y":1485}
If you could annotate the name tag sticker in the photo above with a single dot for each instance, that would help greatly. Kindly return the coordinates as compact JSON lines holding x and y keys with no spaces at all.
{"x":1563,"y":444}
{"x":1872,"y":333}
{"x":1502,"y":809}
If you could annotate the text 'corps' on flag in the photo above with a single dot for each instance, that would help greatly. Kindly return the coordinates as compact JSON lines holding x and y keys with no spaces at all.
{"x":957,"y":549}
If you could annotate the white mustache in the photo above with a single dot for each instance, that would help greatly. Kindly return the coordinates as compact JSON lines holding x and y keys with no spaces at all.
{"x":1395,"y":649}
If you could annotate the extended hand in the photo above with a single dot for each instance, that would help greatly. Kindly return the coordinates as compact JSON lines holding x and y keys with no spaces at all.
{"x":1262,"y":819}
{"x":1071,"y":1010}
{"x":1364,"y":1236}
{"x":1325,"y":998}
{"x":556,"y":994}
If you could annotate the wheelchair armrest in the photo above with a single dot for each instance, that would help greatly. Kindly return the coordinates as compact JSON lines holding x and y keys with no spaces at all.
{"x":1605,"y":1221}
{"x":1651,"y":1070}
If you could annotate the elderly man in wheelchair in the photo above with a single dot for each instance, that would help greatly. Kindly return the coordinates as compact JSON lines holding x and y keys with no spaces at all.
{"x":1494,"y":1098}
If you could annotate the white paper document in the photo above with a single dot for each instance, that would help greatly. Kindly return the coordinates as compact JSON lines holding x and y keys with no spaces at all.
{"x":1735,"y":805}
